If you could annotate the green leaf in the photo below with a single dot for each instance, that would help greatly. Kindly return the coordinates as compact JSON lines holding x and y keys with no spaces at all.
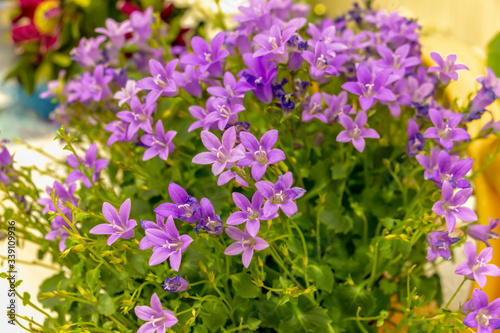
{"x":339,"y":171}
{"x":493,"y":50}
{"x":388,"y":287}
{"x":213,"y":315}
{"x":26,"y":298}
{"x":4,"y":275}
{"x":61,"y":59}
{"x":106,"y":305}
{"x":93,"y":277}
{"x":253,"y":323}
{"x":242,"y":284}
{"x":336,"y":221}
{"x":322,"y":276}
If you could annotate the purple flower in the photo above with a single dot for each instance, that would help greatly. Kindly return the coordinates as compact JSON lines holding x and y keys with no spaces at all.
{"x":209,"y":221}
{"x":119,"y":129}
{"x":190,"y":80}
{"x":162,"y":82}
{"x":451,"y":206}
{"x":245,"y":243}
{"x":91,"y":86}
{"x":87,"y":54}
{"x":139,"y":117}
{"x":260,"y":74}
{"x":141,"y":23}
{"x":447,"y":69}
{"x":446,"y":132}
{"x":280,"y":195}
{"x":312,"y":108}
{"x":430,"y":164}
{"x":483,"y":316}
{"x":208,"y":58}
{"x":370,"y":86}
{"x":355,"y":131}
{"x":5,"y":161}
{"x":185,"y":207}
{"x":398,"y":61}
{"x":159,"y":143}
{"x":250,"y":213}
{"x":483,"y":232}
{"x":336,"y":105}
{"x":439,"y":245}
{"x":89,"y":162}
{"x":175,"y":284}
{"x":273,"y":42}
{"x":232,"y":90}
{"x":320,"y":61}
{"x":59,"y":230}
{"x":416,"y":141}
{"x":224,"y":113}
{"x":63,"y":195}
{"x":125,"y":94}
{"x":145,"y":242}
{"x":157,"y":318}
{"x":260,"y":154}
{"x":168,"y":244}
{"x":476,"y":267}
{"x":115,"y":31}
{"x":451,"y":170}
{"x":221,"y":156}
{"x":119,"y":225}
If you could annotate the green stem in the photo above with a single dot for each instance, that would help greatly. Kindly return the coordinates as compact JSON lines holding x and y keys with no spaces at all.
{"x":455,"y":294}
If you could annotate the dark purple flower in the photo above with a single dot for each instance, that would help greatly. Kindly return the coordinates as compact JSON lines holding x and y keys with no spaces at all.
{"x":139,"y":117}
{"x":336,"y":105}
{"x":260,"y":154}
{"x":208,"y":58}
{"x":260,"y":73}
{"x":159,"y":143}
{"x":280,"y":195}
{"x":245,"y":243}
{"x":175,"y":284}
{"x":451,"y":206}
{"x":439,"y":245}
{"x":89,"y":162}
{"x":397,"y":61}
{"x":447,"y":69}
{"x":287,"y":104}
{"x":312,"y":108}
{"x":126,"y":93}
{"x":446,"y":132}
{"x":273,"y":42}
{"x":119,"y":226}
{"x":355,"y":131}
{"x":250,"y":213}
{"x":221,"y":156}
{"x":320,"y":61}
{"x":185,"y":207}
{"x":370,"y":86}
{"x":209,"y":221}
{"x":157,"y":318}
{"x":416,"y":141}
{"x":168,"y":244}
{"x":476,"y":267}
{"x":5,"y":161}
{"x":451,"y":170}
{"x":161,"y":82}
{"x":115,"y":31}
{"x":484,"y":316}
{"x":489,"y":92}
{"x":483,"y":232}
{"x":232,"y":90}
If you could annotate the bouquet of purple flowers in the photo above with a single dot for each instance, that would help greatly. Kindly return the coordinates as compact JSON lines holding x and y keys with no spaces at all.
{"x":293,"y":174}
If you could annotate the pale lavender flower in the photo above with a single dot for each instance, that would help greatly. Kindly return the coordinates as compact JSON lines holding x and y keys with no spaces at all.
{"x":439,"y":245}
{"x":145,"y":242}
{"x":157,"y":318}
{"x":451,"y":206}
{"x":312,"y":108}
{"x":250,"y":213}
{"x":185,"y":207}
{"x":476,"y":267}
{"x":245,"y":243}
{"x":159,"y":143}
{"x":161,"y":82}
{"x":447,"y":69}
{"x":451,"y":170}
{"x":168,"y":244}
{"x":139,"y":118}
{"x":221,"y":156}
{"x":223,"y":113}
{"x":89,"y":162}
{"x":175,"y":284}
{"x":189,"y":80}
{"x":355,"y":131}
{"x":483,"y":232}
{"x":280,"y":195}
{"x":430,"y":164}
{"x":209,"y":221}
{"x":260,"y":73}
{"x":119,"y":129}
{"x":208,"y":58}
{"x":232,"y":90}
{"x":484,"y":316}
{"x":398,"y":61}
{"x":320,"y":61}
{"x":260,"y":154}
{"x":336,"y":105}
{"x":119,"y":226}
{"x":126,"y":93}
{"x":141,"y":23}
{"x":87,"y":54}
{"x":446,"y":132}
{"x":273,"y":42}
{"x":116,"y":31}
{"x":91,"y":86}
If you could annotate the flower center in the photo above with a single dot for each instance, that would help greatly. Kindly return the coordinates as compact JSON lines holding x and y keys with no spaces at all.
{"x":272,"y":41}
{"x":160,"y":82}
{"x":321,"y":63}
{"x":221,"y":154}
{"x":316,"y":108}
{"x":212,"y":224}
{"x":159,"y":143}
{"x":368,"y":90}
{"x":173,"y":244}
{"x":482,"y":318}
{"x":396,"y":63}
{"x":249,"y":242}
{"x":188,"y":211}
{"x":445,"y":132}
{"x":478,"y":265}
{"x":261,"y":156}
{"x":355,"y":133}
{"x":154,"y":321}
{"x":278,"y":198}
{"x":258,"y":81}
{"x":225,"y":111}
{"x":252,"y":214}
{"x":208,"y":57}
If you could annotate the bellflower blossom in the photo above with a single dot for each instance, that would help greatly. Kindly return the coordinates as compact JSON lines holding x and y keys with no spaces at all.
{"x":189,"y":80}
{"x":483,"y":315}
{"x":126,"y":93}
{"x":451,"y":206}
{"x":141,"y":23}
{"x":370,"y":86}
{"x":89,"y":162}
{"x":260,"y":154}
{"x":119,"y":226}
{"x":261,"y":73}
{"x":312,"y":108}
{"x":175,"y":284}
{"x":355,"y":131}
{"x":476,"y":267}
{"x":145,"y":242}
{"x":157,"y":318}
{"x":250,"y":213}
{"x":161,"y":82}
{"x":159,"y":143}
{"x":224,"y":113}
{"x":416,"y":141}
{"x":489,"y":92}
{"x":116,"y":31}
{"x":446,"y":132}
{"x":168,"y":244}
{"x":87,"y":54}
{"x":483,"y":232}
{"x":91,"y":86}
{"x":139,"y":117}
{"x":280,"y":195}
{"x":439,"y":245}
{"x":273,"y":42}
{"x":451,"y":170}
{"x":119,"y":129}
{"x":320,"y":61}
{"x":244,"y":243}
{"x":447,"y":69}
{"x":5,"y":161}
{"x":336,"y":105}
{"x":431,"y":163}
{"x":208,"y":58}
{"x":397,"y":61}
{"x":209,"y":221}
{"x":221,"y":156}
{"x":232,"y":90}
{"x":185,"y":207}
